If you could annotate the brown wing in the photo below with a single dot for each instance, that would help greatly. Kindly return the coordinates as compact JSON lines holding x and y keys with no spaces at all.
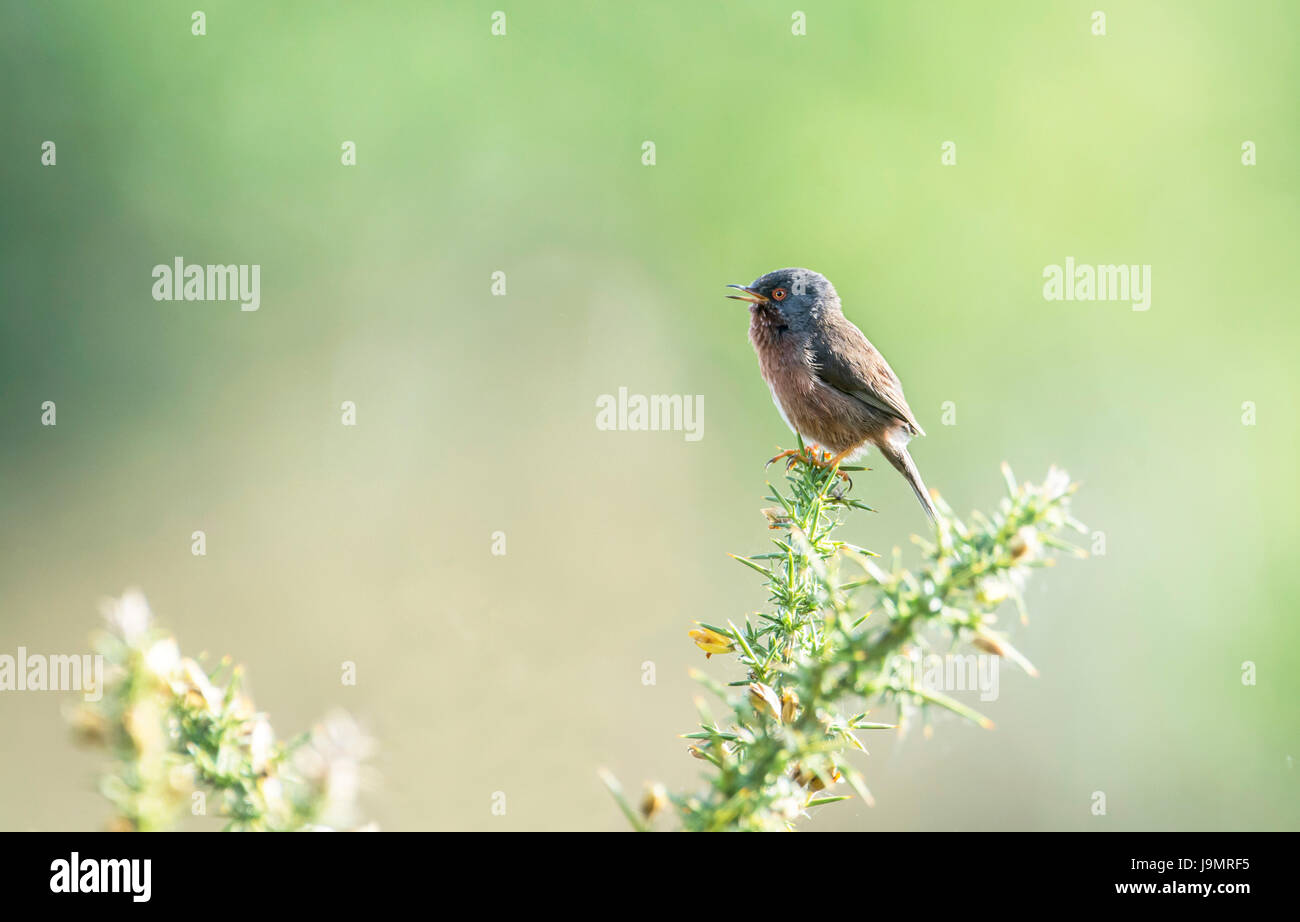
{"x":848,"y":362}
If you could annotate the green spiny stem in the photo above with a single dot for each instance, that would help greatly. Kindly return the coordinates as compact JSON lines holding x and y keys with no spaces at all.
{"x":817,"y":653}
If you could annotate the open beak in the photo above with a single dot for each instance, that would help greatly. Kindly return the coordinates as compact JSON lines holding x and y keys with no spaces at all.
{"x":750,"y":295}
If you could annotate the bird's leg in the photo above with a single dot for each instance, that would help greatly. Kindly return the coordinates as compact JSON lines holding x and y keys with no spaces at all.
{"x":827,"y":460}
{"x":835,"y":461}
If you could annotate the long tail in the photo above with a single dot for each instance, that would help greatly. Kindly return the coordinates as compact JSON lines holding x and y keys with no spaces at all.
{"x":897,"y":456}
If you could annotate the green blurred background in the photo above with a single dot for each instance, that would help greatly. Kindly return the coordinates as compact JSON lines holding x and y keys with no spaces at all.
{"x":522,"y":153}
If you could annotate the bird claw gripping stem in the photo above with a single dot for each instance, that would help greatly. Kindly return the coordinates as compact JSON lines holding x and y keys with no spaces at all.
{"x":813,"y":457}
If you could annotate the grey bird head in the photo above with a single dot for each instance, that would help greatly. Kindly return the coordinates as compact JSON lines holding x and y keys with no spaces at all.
{"x":797,"y":298}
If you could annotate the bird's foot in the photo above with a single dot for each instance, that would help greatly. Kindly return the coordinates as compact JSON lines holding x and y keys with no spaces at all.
{"x":812,"y":456}
{"x":794,"y":454}
{"x":825,"y":460}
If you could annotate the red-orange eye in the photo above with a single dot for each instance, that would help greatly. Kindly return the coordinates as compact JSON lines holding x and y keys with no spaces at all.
{"x":778,"y":294}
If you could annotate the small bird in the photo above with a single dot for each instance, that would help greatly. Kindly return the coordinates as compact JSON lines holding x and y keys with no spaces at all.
{"x":831,"y":386}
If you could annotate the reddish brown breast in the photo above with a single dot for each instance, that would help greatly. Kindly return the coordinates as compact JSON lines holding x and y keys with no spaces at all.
{"x":819,"y":413}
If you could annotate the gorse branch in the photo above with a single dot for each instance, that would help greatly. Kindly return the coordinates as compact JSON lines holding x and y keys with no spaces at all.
{"x":818,"y":660}
{"x":179,"y":737}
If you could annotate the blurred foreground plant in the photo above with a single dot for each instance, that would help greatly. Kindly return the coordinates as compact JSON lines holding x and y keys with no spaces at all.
{"x":818,"y":660}
{"x":180,"y":737}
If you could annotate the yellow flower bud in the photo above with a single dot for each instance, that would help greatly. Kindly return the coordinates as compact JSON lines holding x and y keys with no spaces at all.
{"x":1025,"y":545}
{"x":654,"y":800}
{"x":789,"y":705}
{"x":711,"y":642}
{"x":806,"y":777}
{"x":764,"y":700}
{"x":776,"y":518}
{"x":992,"y":591}
{"x":989,"y":644}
